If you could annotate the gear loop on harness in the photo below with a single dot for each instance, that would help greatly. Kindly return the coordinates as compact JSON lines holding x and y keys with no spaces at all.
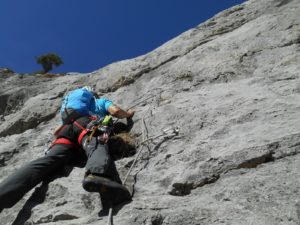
{"x":102,"y":127}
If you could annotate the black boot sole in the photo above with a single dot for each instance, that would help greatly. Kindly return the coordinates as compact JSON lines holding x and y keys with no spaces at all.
{"x":101,"y":184}
{"x":115,"y":192}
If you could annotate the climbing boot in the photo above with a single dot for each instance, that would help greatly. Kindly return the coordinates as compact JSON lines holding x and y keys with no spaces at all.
{"x":116,"y":192}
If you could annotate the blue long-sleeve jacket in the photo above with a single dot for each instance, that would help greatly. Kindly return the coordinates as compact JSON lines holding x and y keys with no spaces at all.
{"x":84,"y":102}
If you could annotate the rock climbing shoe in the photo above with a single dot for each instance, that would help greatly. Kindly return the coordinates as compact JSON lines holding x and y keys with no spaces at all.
{"x":93,"y":183}
{"x":115,"y":192}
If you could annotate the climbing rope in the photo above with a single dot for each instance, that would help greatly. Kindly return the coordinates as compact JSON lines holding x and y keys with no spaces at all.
{"x":137,"y":155}
{"x":110,"y":216}
{"x":167,"y":132}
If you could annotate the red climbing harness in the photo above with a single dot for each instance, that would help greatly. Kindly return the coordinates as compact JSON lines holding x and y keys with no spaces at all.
{"x":64,"y":136}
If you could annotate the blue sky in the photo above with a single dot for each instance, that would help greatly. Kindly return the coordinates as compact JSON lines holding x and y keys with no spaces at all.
{"x":91,"y":34}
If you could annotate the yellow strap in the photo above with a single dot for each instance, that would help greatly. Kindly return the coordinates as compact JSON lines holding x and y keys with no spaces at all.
{"x":93,"y":132}
{"x":106,"y":120}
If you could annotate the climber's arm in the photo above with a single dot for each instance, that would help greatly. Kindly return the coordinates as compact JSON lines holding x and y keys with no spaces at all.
{"x":116,"y":111}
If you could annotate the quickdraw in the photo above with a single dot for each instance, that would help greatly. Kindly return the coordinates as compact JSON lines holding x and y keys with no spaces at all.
{"x":101,"y":126}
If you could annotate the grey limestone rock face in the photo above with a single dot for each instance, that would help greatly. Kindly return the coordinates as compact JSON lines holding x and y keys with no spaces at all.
{"x":230,"y":84}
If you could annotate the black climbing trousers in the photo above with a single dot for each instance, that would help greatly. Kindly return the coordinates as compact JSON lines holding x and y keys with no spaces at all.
{"x":15,"y":186}
{"x":98,"y":157}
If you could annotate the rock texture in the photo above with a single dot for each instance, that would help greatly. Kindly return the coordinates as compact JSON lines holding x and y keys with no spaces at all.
{"x":232,"y":86}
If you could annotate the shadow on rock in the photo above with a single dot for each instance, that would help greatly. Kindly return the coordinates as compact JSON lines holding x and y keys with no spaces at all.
{"x":36,"y":198}
{"x":122,"y":143}
{"x":39,"y":195}
{"x":120,"y":127}
{"x":298,"y":210}
{"x":107,"y":204}
{"x":112,"y":197}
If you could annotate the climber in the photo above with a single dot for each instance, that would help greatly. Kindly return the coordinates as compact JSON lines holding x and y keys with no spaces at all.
{"x":82,"y":137}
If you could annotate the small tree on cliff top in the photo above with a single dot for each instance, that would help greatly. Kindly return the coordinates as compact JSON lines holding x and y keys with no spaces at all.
{"x":48,"y":61}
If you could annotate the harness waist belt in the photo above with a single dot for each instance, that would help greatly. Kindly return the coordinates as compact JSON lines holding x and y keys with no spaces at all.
{"x":64,"y":141}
